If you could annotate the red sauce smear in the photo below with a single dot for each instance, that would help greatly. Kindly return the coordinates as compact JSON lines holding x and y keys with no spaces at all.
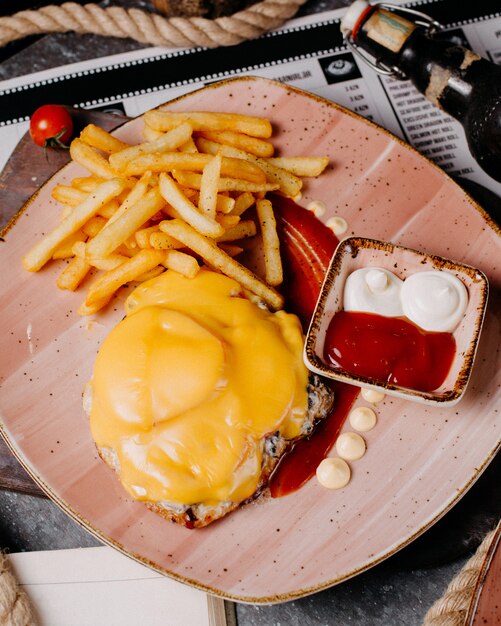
{"x":389,"y":349}
{"x":307,"y":246}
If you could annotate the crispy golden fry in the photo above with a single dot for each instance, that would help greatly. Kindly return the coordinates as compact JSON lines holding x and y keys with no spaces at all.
{"x":68,"y":195}
{"x":87,"y":157}
{"x":227,"y":221}
{"x":257,"y":147}
{"x":289,"y":184}
{"x":181,"y":262}
{"x":109,"y":209}
{"x":153,"y":273}
{"x":194,"y":180}
{"x":43,"y":250}
{"x":162,"y":241}
{"x":224,"y":204}
{"x":97,"y":137}
{"x":157,"y":162}
{"x":167,"y":142}
{"x":301,"y":166}
{"x":230,"y":249}
{"x":150,"y":134}
{"x":117,"y":232}
{"x":142,"y":236}
{"x":73,"y":274}
{"x":94,"y":225}
{"x":106,"y":285}
{"x":271,"y":243}
{"x":65,"y":248}
{"x":186,"y":209}
{"x":207,"y":200}
{"x":135,"y":194}
{"x":243,"y":202}
{"x":189,"y":146}
{"x":86,"y":183}
{"x":242,"y":230}
{"x":219,"y":260}
{"x":108,"y":263}
{"x":160,"y":119}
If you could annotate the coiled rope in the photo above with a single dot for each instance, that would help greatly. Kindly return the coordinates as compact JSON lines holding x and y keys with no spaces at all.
{"x":15,"y":609}
{"x":150,"y":28}
{"x":451,"y":609}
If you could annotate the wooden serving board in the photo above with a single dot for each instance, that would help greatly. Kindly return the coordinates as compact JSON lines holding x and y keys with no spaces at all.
{"x":26,"y":170}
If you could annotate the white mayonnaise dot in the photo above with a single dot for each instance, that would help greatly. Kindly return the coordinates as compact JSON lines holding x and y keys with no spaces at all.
{"x":333,"y":473}
{"x":372,"y":396}
{"x":350,"y":446}
{"x":362,"y":418}
{"x":317,"y":207}
{"x":376,"y":280}
{"x":337,"y":224}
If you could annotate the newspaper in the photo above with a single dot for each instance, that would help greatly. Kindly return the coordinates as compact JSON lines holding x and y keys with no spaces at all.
{"x":308,"y":53}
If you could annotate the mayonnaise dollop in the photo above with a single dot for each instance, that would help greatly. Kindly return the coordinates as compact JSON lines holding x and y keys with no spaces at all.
{"x":373,"y":290}
{"x":435,"y":301}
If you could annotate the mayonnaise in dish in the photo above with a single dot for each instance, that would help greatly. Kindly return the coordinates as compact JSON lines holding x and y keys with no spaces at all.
{"x":373,"y":290}
{"x":435,"y":301}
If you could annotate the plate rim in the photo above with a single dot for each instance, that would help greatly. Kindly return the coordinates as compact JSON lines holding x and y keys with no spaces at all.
{"x":297,"y":593}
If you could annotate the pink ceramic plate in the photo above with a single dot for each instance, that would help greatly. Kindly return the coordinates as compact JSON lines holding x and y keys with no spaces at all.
{"x":420,"y":460}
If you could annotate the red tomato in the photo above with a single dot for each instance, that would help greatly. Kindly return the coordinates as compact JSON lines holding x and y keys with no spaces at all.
{"x":51,"y":126}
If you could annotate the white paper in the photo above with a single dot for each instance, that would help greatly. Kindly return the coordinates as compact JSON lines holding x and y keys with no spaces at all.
{"x":102,"y":587}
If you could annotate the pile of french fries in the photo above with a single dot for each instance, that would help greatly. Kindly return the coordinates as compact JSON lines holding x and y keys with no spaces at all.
{"x":173,"y":201}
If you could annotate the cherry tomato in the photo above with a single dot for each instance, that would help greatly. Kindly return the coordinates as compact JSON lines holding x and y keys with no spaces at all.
{"x":51,"y":126}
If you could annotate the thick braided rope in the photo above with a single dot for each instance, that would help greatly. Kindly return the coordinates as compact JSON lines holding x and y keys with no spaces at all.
{"x":15,"y":609}
{"x":150,"y":28}
{"x":451,"y":608}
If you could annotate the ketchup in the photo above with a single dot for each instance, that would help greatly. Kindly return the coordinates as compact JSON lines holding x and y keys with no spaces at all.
{"x":389,"y":349}
{"x":307,"y":246}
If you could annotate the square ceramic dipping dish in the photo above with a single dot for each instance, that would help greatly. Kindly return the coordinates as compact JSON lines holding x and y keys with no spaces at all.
{"x":357,"y":252}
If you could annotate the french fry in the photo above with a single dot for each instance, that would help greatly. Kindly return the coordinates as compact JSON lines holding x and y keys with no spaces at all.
{"x":167,"y":142}
{"x":181,"y":262}
{"x":117,"y":232}
{"x":227,"y":221}
{"x":162,"y":241}
{"x":87,"y":157}
{"x":106,"y":285}
{"x":142,"y":236}
{"x":207,"y":200}
{"x":257,"y":147}
{"x":153,"y":273}
{"x":134,"y":195}
{"x":43,"y":250}
{"x":224,"y":204}
{"x":301,"y":166}
{"x":163,"y":120}
{"x":97,"y":137}
{"x":73,"y":274}
{"x":189,"y":146}
{"x":231,"y":249}
{"x":65,"y":248}
{"x":194,"y":181}
{"x":271,"y":243}
{"x":68,"y":195}
{"x":94,"y":225}
{"x":221,"y":261}
{"x":289,"y":184}
{"x":86,"y":183}
{"x":242,"y":230}
{"x":243,"y":202}
{"x":186,"y":209}
{"x":158,"y":162}
{"x":150,"y":134}
{"x":109,"y":209}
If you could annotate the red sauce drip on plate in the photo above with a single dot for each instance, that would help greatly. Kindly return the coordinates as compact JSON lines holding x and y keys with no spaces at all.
{"x":307,"y":247}
{"x":389,"y":349}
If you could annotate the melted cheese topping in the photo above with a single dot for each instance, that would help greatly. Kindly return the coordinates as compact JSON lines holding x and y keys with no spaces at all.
{"x":187,"y":386}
